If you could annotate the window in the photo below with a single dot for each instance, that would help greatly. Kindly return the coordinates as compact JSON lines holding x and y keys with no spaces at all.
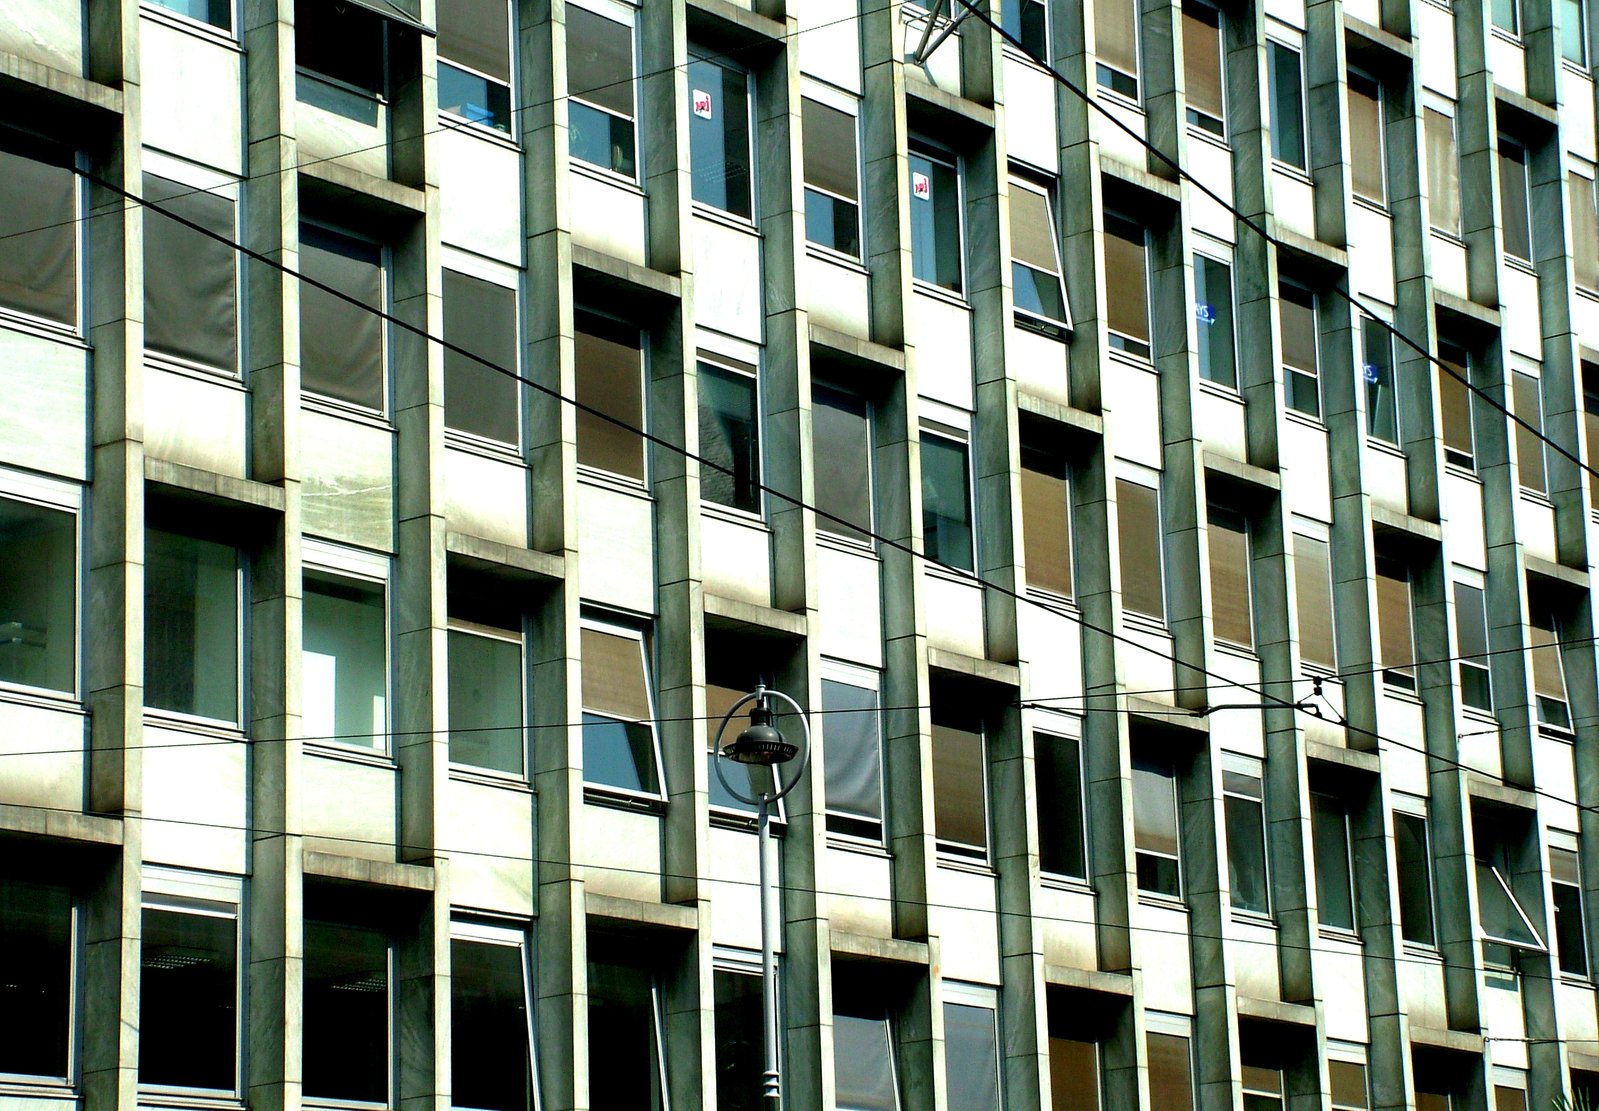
{"x":935,"y":221}
{"x":960,"y":779}
{"x":1046,"y":522}
{"x":626,"y":1065}
{"x":191,"y":626}
{"x":1138,"y":537}
{"x":1039,"y":293}
{"x":1514,"y":217}
{"x":1073,"y":1074}
{"x":491,"y":1057}
{"x":189,"y":998}
{"x":1230,"y":607}
{"x":1502,"y":887}
{"x":1507,"y":1098}
{"x":1116,"y":43}
{"x":1454,"y":404}
{"x":1028,"y":22}
{"x":599,"y":77}
{"x":38,"y":596}
{"x":346,"y":1046}
{"x":1367,"y":172}
{"x":38,"y":225}
{"x":1171,"y":1077}
{"x":1377,"y":370}
{"x":475,"y":62}
{"x":1548,"y":667}
{"x":1396,"y":638}
{"x":946,"y":503}
{"x":1335,"y":876}
{"x":1296,"y":307}
{"x":610,"y":381}
{"x":1506,"y":15}
{"x":1413,"y":860}
{"x":1584,"y":231}
{"x":36,"y":966}
{"x":345,"y":676}
{"x":1471,"y":645}
{"x":619,"y":744}
{"x":853,"y":740}
{"x":730,"y":437}
{"x":218,"y":13}
{"x":1287,"y":77}
{"x":1058,"y":775}
{"x":863,"y":1052}
{"x":480,"y":399}
{"x":832,"y":178}
{"x":1213,"y":312}
{"x":1156,"y":841}
{"x":1242,"y":801}
{"x":719,"y":136}
{"x":1126,"y":286}
{"x":486,"y":697}
{"x":1527,"y":396}
{"x":841,"y":436}
{"x":1590,"y":425}
{"x":340,"y":51}
{"x":1203,"y":84}
{"x":1263,"y":1088}
{"x":971,"y":1056}
{"x":1443,"y":172}
{"x":1313,"y":601}
{"x":1574,"y":32}
{"x":1565,"y":888}
{"x":1348,"y":1082}
{"x":341,"y":345}
{"x":740,"y":1054}
{"x":190,"y":279}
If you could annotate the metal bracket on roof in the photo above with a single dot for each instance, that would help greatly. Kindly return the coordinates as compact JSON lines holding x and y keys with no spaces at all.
{"x":930,"y":43}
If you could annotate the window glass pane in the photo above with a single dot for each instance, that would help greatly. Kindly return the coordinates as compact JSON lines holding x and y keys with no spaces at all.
{"x":863,"y":1063}
{"x":1297,"y":314}
{"x":971,"y":1057}
{"x":1035,"y":267}
{"x":1171,"y":1085}
{"x":1443,"y":172}
{"x":1570,"y":942}
{"x":739,"y":1050}
{"x":1471,"y":643}
{"x":480,"y":317}
{"x":1246,"y":852}
{"x":946,"y":503}
{"x":1116,"y":39}
{"x":1414,"y":864}
{"x":35,"y":978}
{"x":1126,"y":285}
{"x":473,"y":98}
{"x":1366,"y":139}
{"x":1513,"y":215}
{"x":188,"y":1000}
{"x":1287,"y":105}
{"x":341,"y":345}
{"x":1590,"y":424}
{"x":599,"y":59}
{"x":1377,"y":371}
{"x":719,"y":136}
{"x":618,"y":737}
{"x":832,"y":195}
{"x":1155,"y":833}
{"x":841,"y":433}
{"x":191,"y":626}
{"x":1584,"y":231}
{"x":189,"y":278}
{"x":490,"y":1052}
{"x":1213,"y":312}
{"x":1026,"y":20}
{"x":1060,"y":805}
{"x":345,"y":674}
{"x":1454,"y":403}
{"x":477,"y":34}
{"x":1329,"y":831}
{"x":218,"y":13}
{"x":1139,"y":543}
{"x":38,"y":596}
{"x":1501,"y":915}
{"x":729,"y":438}
{"x":854,"y":762}
{"x":1548,"y":669}
{"x":1073,"y":1075}
{"x":38,"y":212}
{"x":1228,"y":534}
{"x":960,"y":804}
{"x":345,"y":43}
{"x":1574,"y":32}
{"x":935,"y":223}
{"x":1202,"y":64}
{"x":1348,"y":1082}
{"x":1504,"y":15}
{"x":1313,"y":601}
{"x":485,"y":702}
{"x":1046,"y":523}
{"x":622,"y":1021}
{"x":1527,"y":394}
{"x":610,"y":379}
{"x":345,"y":1044}
{"x":1396,"y":643}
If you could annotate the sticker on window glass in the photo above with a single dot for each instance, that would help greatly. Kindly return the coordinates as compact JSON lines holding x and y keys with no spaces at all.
{"x":1373,"y":374}
{"x":921,"y":186}
{"x":702,"y":104}
{"x":1204,"y":313}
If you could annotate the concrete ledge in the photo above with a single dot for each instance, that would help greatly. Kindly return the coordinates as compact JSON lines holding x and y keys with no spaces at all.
{"x":737,"y":616}
{"x":1556,"y":572}
{"x":1469,"y":310}
{"x":1141,"y":178}
{"x":636,"y":912}
{"x":1458,"y":1041}
{"x":1312,"y":252}
{"x":59,"y":825}
{"x":504,"y":561}
{"x":371,"y":873}
{"x":1375,"y":48}
{"x":934,"y":109}
{"x":1414,"y":527}
{"x":1579,"y":1059}
{"x":1087,"y":979}
{"x":862,"y":352}
{"x":55,"y":92}
{"x":889,"y":950}
{"x":725,"y":24}
{"x":1080,"y":419}
{"x":350,"y":190}
{"x":987,"y":671}
{"x":1274,"y":1010}
{"x":599,"y":276}
{"x":1349,"y":759}
{"x":219,"y":490}
{"x":1164,"y":715}
{"x":1531,"y":111}
{"x":1479,"y":786}
{"x":1239,"y":471}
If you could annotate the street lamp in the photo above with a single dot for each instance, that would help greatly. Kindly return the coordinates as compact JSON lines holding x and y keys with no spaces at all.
{"x":761,"y":744}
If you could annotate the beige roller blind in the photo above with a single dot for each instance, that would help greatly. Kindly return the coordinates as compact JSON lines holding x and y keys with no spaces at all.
{"x":1229,"y":576}
{"x":1584,"y":231}
{"x":1202,"y":80}
{"x":1073,"y":1075}
{"x":1046,"y":529}
{"x":614,"y":680}
{"x":1126,"y":283}
{"x":960,"y":814}
{"x":1395,"y":639}
{"x":1443,"y":172}
{"x":610,"y":378}
{"x":1171,"y":1085}
{"x":1365,"y":139}
{"x":1116,"y":34}
{"x":1032,"y":235}
{"x":1139,"y":541}
{"x":1313,"y":598}
{"x":1454,"y":403}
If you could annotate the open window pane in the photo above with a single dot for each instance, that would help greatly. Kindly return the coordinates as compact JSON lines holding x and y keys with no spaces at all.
{"x":38,"y":596}
{"x":1514,"y":217}
{"x":1231,"y":610}
{"x":1413,"y":859}
{"x":1155,"y":831}
{"x":479,"y":396}
{"x":1335,"y":878}
{"x":729,"y":438}
{"x":1171,"y":1076}
{"x":946,"y":503}
{"x":1313,"y":601}
{"x":345,"y":1050}
{"x":1139,"y":543}
{"x":1443,"y":172}
{"x":863,"y":1061}
{"x":1287,"y":105}
{"x":625,"y":1068}
{"x":1246,"y":842}
{"x":475,"y":35}
{"x":841,"y":433}
{"x":1528,"y":397}
{"x":832,"y":189}
{"x":1396,"y":640}
{"x":486,"y":702}
{"x":1296,"y":307}
{"x":1471,"y":645}
{"x":36,"y":947}
{"x":188,"y":1000}
{"x":1035,"y":263}
{"x":971,"y":1057}
{"x":935,"y":222}
{"x":1202,"y":67}
{"x":38,"y":225}
{"x":719,"y":136}
{"x":491,"y":1055}
{"x":853,"y":741}
{"x":1367,"y":175}
{"x":191,"y":626}
{"x":1548,"y":669}
{"x":345,"y":46}
{"x":740,"y":1054}
{"x":1503,"y":919}
{"x":599,"y":61}
{"x":1046,"y":523}
{"x":1126,"y":286}
{"x":960,"y":785}
{"x":1213,"y":314}
{"x":1571,"y":941}
{"x":1377,"y":372}
{"x":610,"y":379}
{"x":346,"y":665}
{"x":1058,"y":771}
{"x":618,"y":731}
{"x":1026,"y":20}
{"x":190,"y":279}
{"x":341,"y":345}
{"x":1454,"y":404}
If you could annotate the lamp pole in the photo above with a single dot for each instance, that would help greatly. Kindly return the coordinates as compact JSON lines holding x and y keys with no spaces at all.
{"x":760,"y":744}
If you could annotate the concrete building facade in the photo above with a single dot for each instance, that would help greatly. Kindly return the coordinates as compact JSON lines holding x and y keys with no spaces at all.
{"x":1198,"y":669}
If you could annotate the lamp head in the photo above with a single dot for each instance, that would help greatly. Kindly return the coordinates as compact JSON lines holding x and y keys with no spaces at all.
{"x":761,"y":743}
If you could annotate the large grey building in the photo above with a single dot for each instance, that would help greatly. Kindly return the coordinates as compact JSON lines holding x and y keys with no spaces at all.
{"x":1199,"y":665}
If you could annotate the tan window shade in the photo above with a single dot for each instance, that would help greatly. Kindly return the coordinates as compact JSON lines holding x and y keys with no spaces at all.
{"x":1563,"y":867}
{"x":1509,"y":1099}
{"x":1590,"y":424}
{"x":1259,"y":1081}
{"x":1139,"y":542}
{"x":1348,"y":1082}
{"x":1202,"y":80}
{"x":1073,"y":1075}
{"x":1529,"y":441}
{"x":1297,"y":309}
{"x":1548,"y":672}
{"x":960,"y":816}
{"x":1395,"y":639}
{"x":1313,"y":599}
{"x":1032,"y":235}
{"x":718,"y":700}
{"x":1443,"y":172}
{"x":599,"y":60}
{"x":1155,"y":809}
{"x":1432,"y":1101}
{"x":1171,"y":1085}
{"x":1365,"y":139}
{"x":477,"y":33}
{"x":1584,"y":231}
{"x":828,"y":137}
{"x":1454,"y":402}
{"x":1229,"y":576}
{"x":614,"y":680}
{"x":610,"y":378}
{"x":1126,"y":282}
{"x":1116,"y":34}
{"x":1046,"y":527}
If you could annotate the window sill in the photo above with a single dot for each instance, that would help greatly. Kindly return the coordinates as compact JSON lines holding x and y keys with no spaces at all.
{"x":952,"y":860}
{"x":1130,"y":358}
{"x":38,"y":326}
{"x":1459,"y":471}
{"x":1375,"y":207}
{"x":608,"y":480}
{"x":821,"y":253}
{"x":1015,"y":55}
{"x":1070,"y":885}
{"x":1338,"y":934}
{"x":350,"y":754}
{"x":1255,"y":918}
{"x":940,"y":293}
{"x":1057,"y":330}
{"x":1241,"y":652}
{"x":1383,"y":447}
{"x":617,"y":798}
{"x":1292,"y":172}
{"x":1509,"y":38}
{"x":734,"y":516}
{"x":1586,"y":293}
{"x":356,"y":414}
{"x":187,"y":1097}
{"x":605,"y":177}
{"x":38,"y":1088}
{"x":178,"y":22}
{"x":1221,"y":391}
{"x":1520,"y":265}
{"x":1158,"y":901}
{"x":712,"y":214}
{"x":42,"y":698}
{"x":497,"y":450}
{"x":214,"y":376}
{"x":950,"y":574}
{"x":1414,"y":950}
{"x":464,"y":126}
{"x":488,"y":777}
{"x":1403,"y":694}
{"x":1537,"y":498}
{"x":1120,"y":100}
{"x":1056,"y":603}
{"x":1576,"y":69}
{"x":1478,"y":716}
{"x":858,"y":846}
{"x":198,"y":726}
{"x":846,"y":545}
{"x":744,"y":821}
{"x":1205,"y":135}
{"x":1295,"y":416}
{"x":1557,"y":733}
{"x":1447,"y":236}
{"x":1144,"y":623}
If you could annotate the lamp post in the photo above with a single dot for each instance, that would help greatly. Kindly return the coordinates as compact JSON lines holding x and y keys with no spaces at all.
{"x":760,"y":744}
